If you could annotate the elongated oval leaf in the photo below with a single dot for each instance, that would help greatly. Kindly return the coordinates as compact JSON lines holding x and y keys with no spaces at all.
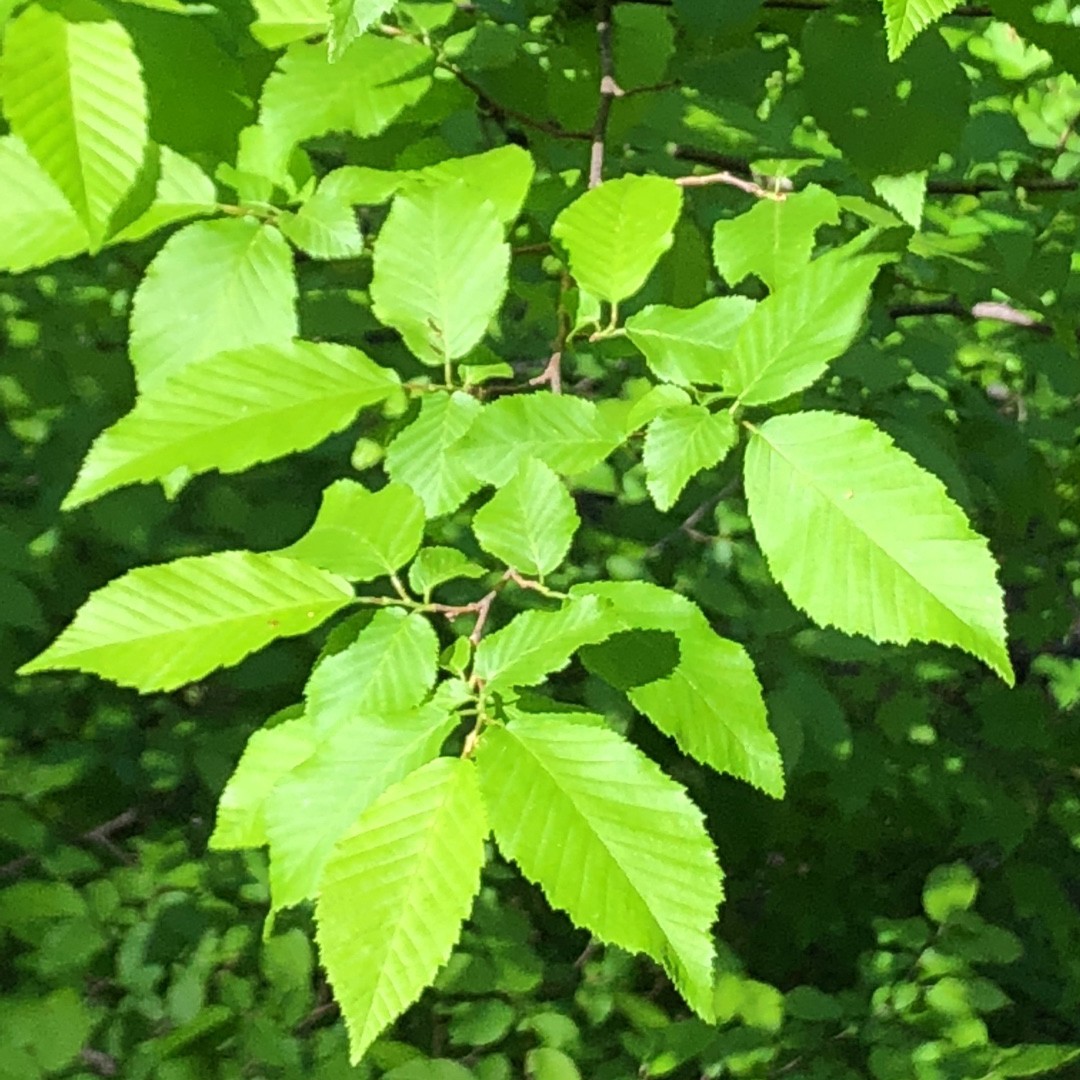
{"x":316,"y":802}
{"x":230,"y":411}
{"x":440,"y":270}
{"x":609,"y":838}
{"x":788,"y":341}
{"x":390,"y":668}
{"x":711,"y":703}
{"x":430,"y":455}
{"x":681,"y":442}
{"x":396,"y":891}
{"x":214,"y":287}
{"x":566,"y":433}
{"x":159,"y":627}
{"x":862,"y":538}
{"x":690,"y":345}
{"x":530,"y":522}
{"x":73,"y":92}
{"x":616,"y":233}
{"x":361,"y":534}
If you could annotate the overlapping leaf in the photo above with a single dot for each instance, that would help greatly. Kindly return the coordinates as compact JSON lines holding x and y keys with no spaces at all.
{"x":389,"y":668}
{"x":711,"y":702}
{"x":73,"y":91}
{"x":350,"y":18}
{"x":232,"y":410}
{"x":440,"y":269}
{"x":568,"y":434}
{"x":530,"y":522}
{"x":215,"y":286}
{"x":609,"y":838}
{"x":281,"y":22}
{"x":429,"y":455}
{"x":396,"y":891}
{"x":690,"y":345}
{"x":904,"y":19}
{"x":325,"y":227}
{"x":681,"y":442}
{"x":435,"y":565}
{"x":502,"y":176}
{"x":159,"y":627}
{"x":361,"y":534}
{"x":616,"y":233}
{"x":862,"y":538}
{"x":313,"y":806}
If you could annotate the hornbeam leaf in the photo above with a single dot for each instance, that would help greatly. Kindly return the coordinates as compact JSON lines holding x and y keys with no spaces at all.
{"x":73,"y":92}
{"x":711,"y":703}
{"x":350,"y":19}
{"x":681,"y":442}
{"x":609,"y":838}
{"x":440,"y":269}
{"x":281,"y":22}
{"x":361,"y":534}
{"x":536,"y":643}
{"x":325,"y":227}
{"x":502,"y":176}
{"x":530,"y":522}
{"x":389,"y":668}
{"x":569,"y":434}
{"x":788,"y":341}
{"x":159,"y":627}
{"x":616,"y":233}
{"x":315,"y":803}
{"x":690,"y":345}
{"x":429,"y":455}
{"x":270,"y":754}
{"x":361,"y":94}
{"x":905,"y":19}
{"x":435,"y":565}
{"x":37,"y":224}
{"x":775,"y":238}
{"x":215,"y":286}
{"x":232,"y":410}
{"x":396,"y":891}
{"x":863,"y":539}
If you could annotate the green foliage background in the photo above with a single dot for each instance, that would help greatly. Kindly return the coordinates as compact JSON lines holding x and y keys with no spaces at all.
{"x":911,"y":908}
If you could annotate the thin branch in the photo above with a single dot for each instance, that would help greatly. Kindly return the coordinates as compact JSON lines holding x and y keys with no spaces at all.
{"x":609,"y":91}
{"x":731,"y":180}
{"x":986,"y":309}
{"x":945,"y":186}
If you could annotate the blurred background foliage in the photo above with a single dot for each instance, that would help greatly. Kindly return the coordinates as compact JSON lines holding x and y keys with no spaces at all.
{"x":912,"y":908}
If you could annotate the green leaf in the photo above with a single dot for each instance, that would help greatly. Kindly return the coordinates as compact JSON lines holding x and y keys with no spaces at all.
{"x":360,"y":186}
{"x":440,"y":271}
{"x":435,"y":565}
{"x":361,"y":94}
{"x":396,"y":892}
{"x":1034,"y":1059}
{"x":350,"y":19}
{"x":948,"y":889}
{"x":37,"y":224}
{"x":586,"y":816}
{"x":788,"y":341}
{"x":773,"y":240}
{"x":73,"y":92}
{"x":362,"y":535}
{"x":214,"y":287}
{"x":270,"y":754}
{"x":536,"y":643}
{"x":656,"y":400}
{"x":711,"y":703}
{"x":315,"y":804}
{"x":905,"y":194}
{"x":862,"y":538}
{"x":325,"y":227}
{"x":904,"y":19}
{"x":616,"y":233}
{"x":690,"y":345}
{"x":159,"y":627}
{"x":390,"y":668}
{"x":502,"y":176}
{"x":681,"y":442}
{"x":281,"y":22}
{"x":430,"y":455}
{"x":183,"y":191}
{"x":529,"y":523}
{"x":569,"y":434}
{"x":229,"y":411}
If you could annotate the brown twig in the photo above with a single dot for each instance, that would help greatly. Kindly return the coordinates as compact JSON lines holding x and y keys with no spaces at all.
{"x":609,"y":91}
{"x":731,"y":180}
{"x":986,"y":309}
